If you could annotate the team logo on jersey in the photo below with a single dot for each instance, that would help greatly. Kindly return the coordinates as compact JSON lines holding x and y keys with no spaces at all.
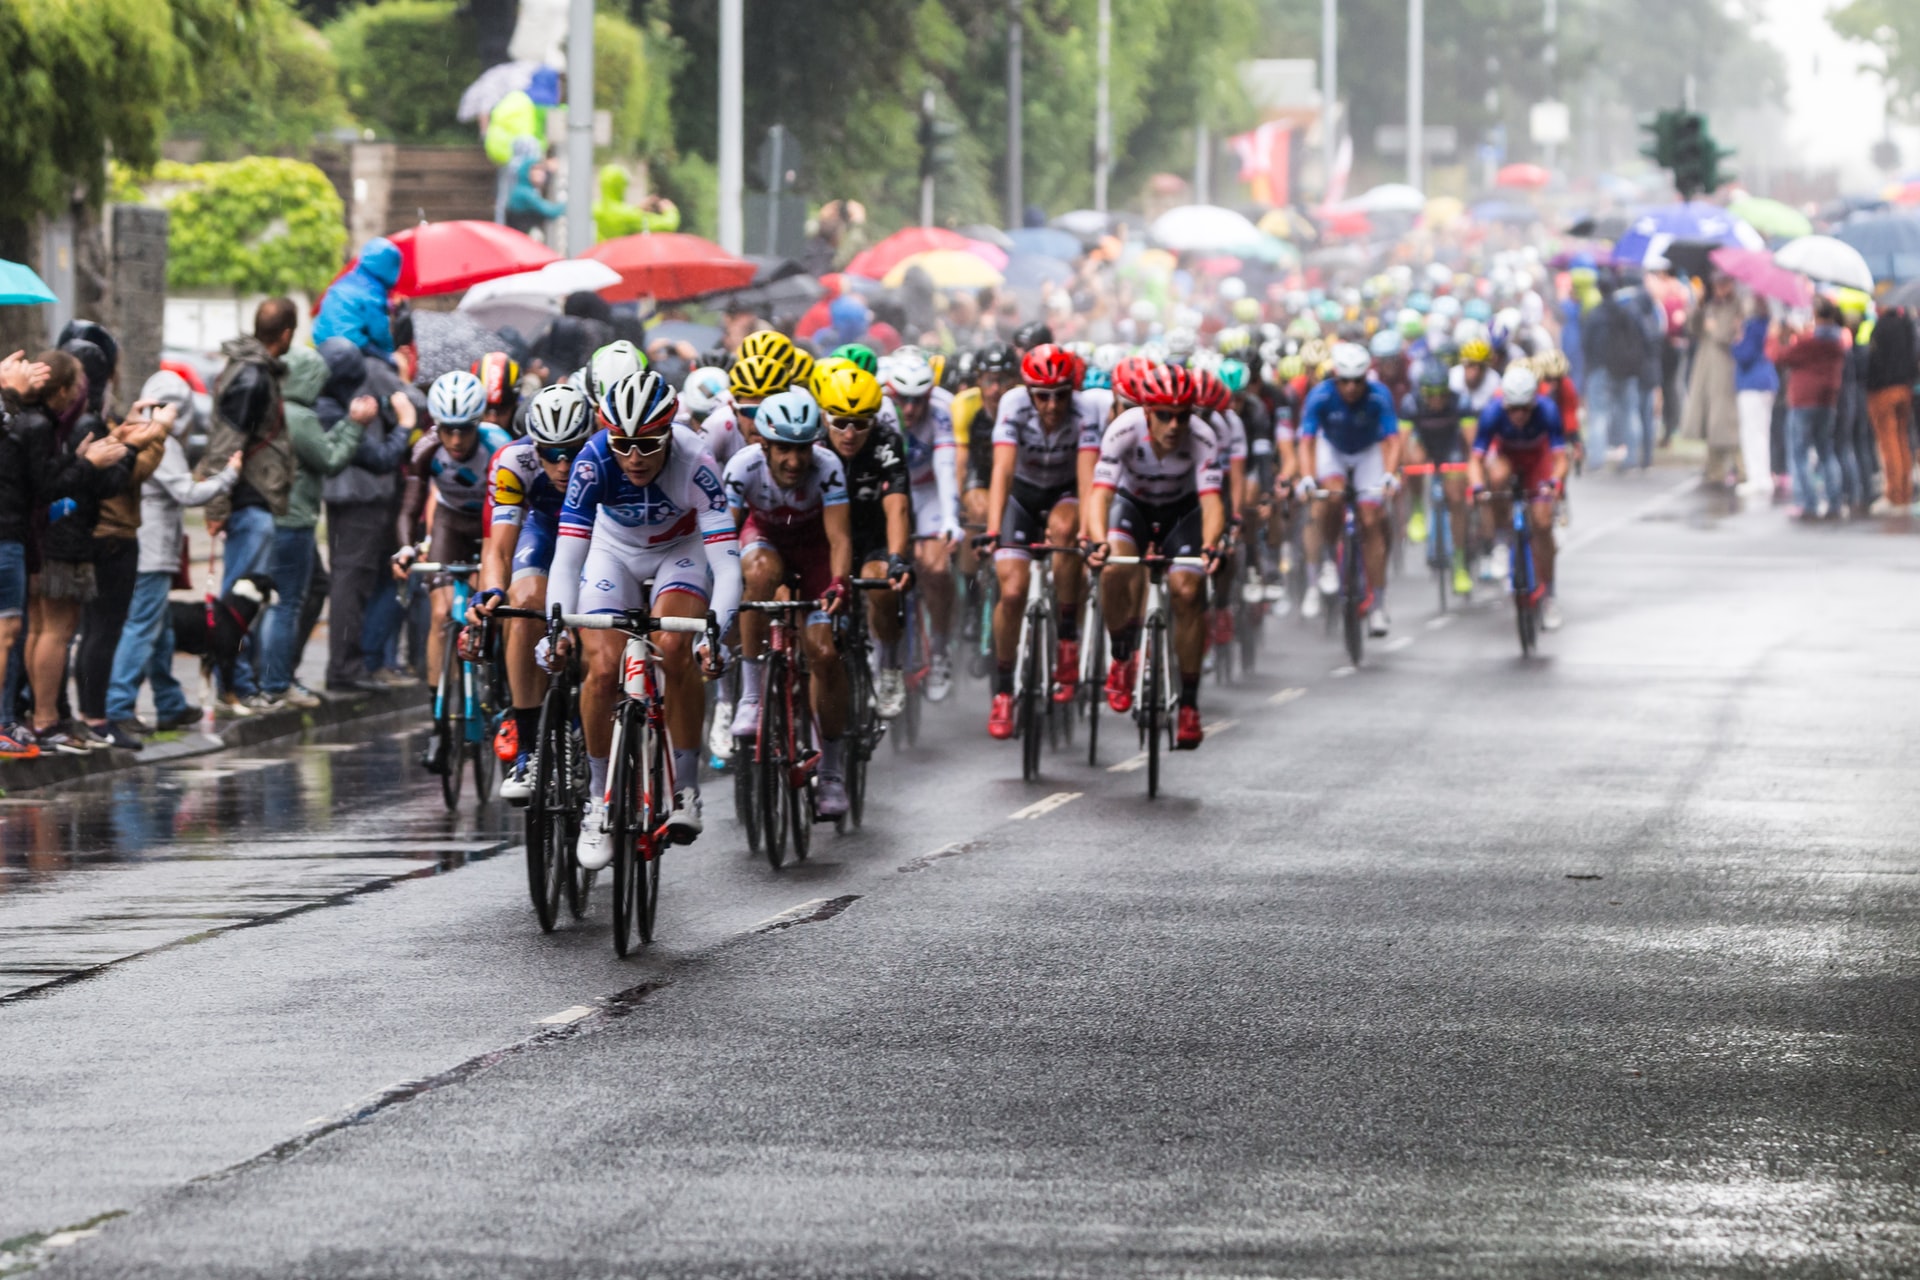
{"x":586,"y":474}
{"x":710,"y":485}
{"x":508,"y":491}
{"x":647,"y":507}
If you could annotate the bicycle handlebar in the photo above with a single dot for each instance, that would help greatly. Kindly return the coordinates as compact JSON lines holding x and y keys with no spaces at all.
{"x":633,"y":621}
{"x":873,"y":584}
{"x":1193,"y":562}
{"x":429,"y":566}
{"x":780,"y":606}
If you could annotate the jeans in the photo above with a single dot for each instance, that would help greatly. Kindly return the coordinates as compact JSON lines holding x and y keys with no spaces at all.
{"x":1615,"y":414}
{"x":359,"y":540}
{"x":146,"y":651}
{"x":290,"y":563}
{"x":116,"y":565}
{"x":249,"y":540}
{"x":1811,"y":431}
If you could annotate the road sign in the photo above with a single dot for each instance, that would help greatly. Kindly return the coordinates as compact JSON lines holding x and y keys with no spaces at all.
{"x":1549,"y":124}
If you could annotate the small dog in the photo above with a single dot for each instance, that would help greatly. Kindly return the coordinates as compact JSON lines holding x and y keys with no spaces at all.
{"x":213,"y":630}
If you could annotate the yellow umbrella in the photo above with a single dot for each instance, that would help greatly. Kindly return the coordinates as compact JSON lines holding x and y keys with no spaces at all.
{"x":949,"y":268}
{"x":1444,"y":211}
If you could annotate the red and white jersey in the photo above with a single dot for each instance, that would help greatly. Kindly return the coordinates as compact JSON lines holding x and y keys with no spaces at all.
{"x":1130,"y":463}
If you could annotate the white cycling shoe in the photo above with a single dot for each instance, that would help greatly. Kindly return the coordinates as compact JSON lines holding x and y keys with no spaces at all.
{"x":889,"y":693}
{"x":595,"y":849}
{"x":939,"y":678}
{"x":517,"y":786}
{"x":1329,"y":578}
{"x":746,"y":720}
{"x":684,"y":825}
{"x":1378,"y":622}
{"x":1550,"y":618}
{"x":1310,"y":606}
{"x":720,"y":736}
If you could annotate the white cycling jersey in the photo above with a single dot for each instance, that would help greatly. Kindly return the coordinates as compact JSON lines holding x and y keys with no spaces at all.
{"x":1130,"y":463}
{"x":751,"y":488}
{"x":1047,"y":461}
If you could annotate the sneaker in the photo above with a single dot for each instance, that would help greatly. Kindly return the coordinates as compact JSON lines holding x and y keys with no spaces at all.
{"x":1066,"y":671}
{"x":1550,"y":614}
{"x":517,"y":785}
{"x":295,"y":696}
{"x":1417,"y":527}
{"x":1329,"y":578}
{"x":684,"y":825}
{"x":1274,"y":592}
{"x":506,"y":741}
{"x":387,"y":678}
{"x":433,"y":757}
{"x":1187,"y":733}
{"x":57,"y":739}
{"x":1462,"y":580}
{"x":830,"y":794}
{"x":187,"y":719}
{"x":18,"y":744}
{"x":746,"y":720}
{"x":231,"y":706}
{"x":1310,"y":605}
{"x":1120,"y":685}
{"x":595,"y":848}
{"x":1000,"y":719}
{"x":263,"y":701}
{"x":889,"y":693}
{"x":720,"y":736}
{"x":1500,"y":563}
{"x":1253,"y":591}
{"x":118,"y":736}
{"x":1377,"y":621}
{"x":939,"y":678}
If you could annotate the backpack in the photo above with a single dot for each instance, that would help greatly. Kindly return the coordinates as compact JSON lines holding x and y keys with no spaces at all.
{"x":267,"y":464}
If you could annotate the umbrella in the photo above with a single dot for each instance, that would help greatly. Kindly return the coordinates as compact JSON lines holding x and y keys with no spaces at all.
{"x":1827,"y":260}
{"x":446,"y":257}
{"x":1506,"y":211}
{"x":449,"y":340}
{"x":1288,"y":224}
{"x":493,"y":84}
{"x":1031,"y":270}
{"x":702,"y":337}
{"x":1907,"y":192}
{"x":1389,"y":197}
{"x":1906,"y":296}
{"x":1221,"y":266}
{"x":1347,"y":222}
{"x":1203,"y":228}
{"x":668,"y":266}
{"x":788,"y":294}
{"x":1522,"y":175}
{"x":1046,"y":242}
{"x":1756,"y":269}
{"x":555,"y":280}
{"x":1443,"y":211}
{"x":1890,"y":244}
{"x":1088,"y":224}
{"x":948,"y":269}
{"x":1771,"y":218}
{"x":988,"y":235}
{"x":1600,"y":226}
{"x":1652,"y":230}
{"x":21,"y":286}
{"x":878,"y":261}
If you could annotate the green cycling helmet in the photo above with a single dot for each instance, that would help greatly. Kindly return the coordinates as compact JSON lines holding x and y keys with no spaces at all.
{"x":861,"y":355}
{"x":1235,"y":374}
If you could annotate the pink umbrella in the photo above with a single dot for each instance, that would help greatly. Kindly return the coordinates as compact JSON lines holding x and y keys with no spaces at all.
{"x":1756,"y":269}
{"x":1522,"y":175}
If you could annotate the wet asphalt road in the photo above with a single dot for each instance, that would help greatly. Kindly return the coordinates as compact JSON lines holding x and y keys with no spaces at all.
{"x":1604,"y":964}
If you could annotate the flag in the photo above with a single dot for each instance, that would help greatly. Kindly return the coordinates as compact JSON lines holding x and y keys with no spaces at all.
{"x":1265,"y":155}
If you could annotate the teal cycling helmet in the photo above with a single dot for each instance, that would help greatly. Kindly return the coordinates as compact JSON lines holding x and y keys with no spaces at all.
{"x":860,"y":354}
{"x":1096,"y":379}
{"x":1235,"y":374}
{"x":791,"y":417}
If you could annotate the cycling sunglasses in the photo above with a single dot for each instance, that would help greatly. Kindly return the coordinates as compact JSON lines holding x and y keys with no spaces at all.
{"x":852,"y":426}
{"x":1351,"y":382}
{"x":1170,"y":415}
{"x":456,"y":428}
{"x":557,"y":453}
{"x":1046,"y":395}
{"x":747,"y":411}
{"x":644,"y":446}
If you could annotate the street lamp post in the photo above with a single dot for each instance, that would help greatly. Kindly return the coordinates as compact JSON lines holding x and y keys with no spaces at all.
{"x":1416,"y":94}
{"x":1329,"y":85}
{"x":1016,"y":197}
{"x":1103,"y":109}
{"x":579,"y":127}
{"x":732,"y":123}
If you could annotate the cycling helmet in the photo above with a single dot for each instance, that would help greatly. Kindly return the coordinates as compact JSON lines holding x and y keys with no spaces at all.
{"x":1447,"y":305}
{"x":847,"y":391}
{"x":638,"y":402}
{"x":1330,"y":312}
{"x":909,"y":376}
{"x":861,"y":355}
{"x":1032,"y":334}
{"x":1351,"y":360}
{"x":767,"y":342}
{"x":800,"y":365}
{"x":1519,"y":387}
{"x":1107,"y":355}
{"x":1209,"y":392}
{"x":824,"y":370}
{"x":1235,"y":374}
{"x":1291,"y":367}
{"x":1551,"y":364}
{"x":613,"y":362}
{"x":456,"y":399}
{"x":1475,"y":351}
{"x":791,"y":417}
{"x":1167,"y":386}
{"x":1433,"y":376}
{"x":996,"y":358}
{"x":759,"y":376}
{"x":1208,"y":360}
{"x":1096,"y":379}
{"x":703,"y":391}
{"x":1232,"y":341}
{"x":1477,"y":309}
{"x":1049,"y":366}
{"x":1410,"y":323}
{"x":1386,"y":344}
{"x":1181,"y":342}
{"x":557,"y":417}
{"x":1127,"y":375}
{"x":1439,"y":273}
{"x":500,"y":375}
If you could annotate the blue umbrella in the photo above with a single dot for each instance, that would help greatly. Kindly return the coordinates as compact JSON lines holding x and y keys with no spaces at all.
{"x":1046,"y":242}
{"x":1032,"y":270}
{"x":1652,"y":230}
{"x":1890,"y":244}
{"x":19,"y":286}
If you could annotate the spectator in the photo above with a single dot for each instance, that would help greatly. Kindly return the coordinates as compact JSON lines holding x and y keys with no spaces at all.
{"x":145,"y":648}
{"x":1755,"y":384}
{"x":520,"y":114}
{"x":613,"y":216}
{"x":1615,"y":350}
{"x":848,"y":320}
{"x":834,"y":236}
{"x":19,"y":379}
{"x":319,"y":453}
{"x":1852,"y":429}
{"x":1814,"y":362}
{"x":528,"y":208}
{"x":1893,"y":366}
{"x":356,"y":307}
{"x":248,"y":417}
{"x":1712,"y":410}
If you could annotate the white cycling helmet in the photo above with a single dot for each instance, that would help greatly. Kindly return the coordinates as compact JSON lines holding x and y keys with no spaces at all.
{"x":908,"y":375}
{"x":1107,"y":355}
{"x":638,"y":402}
{"x":613,"y":362}
{"x":558,"y":417}
{"x":456,"y":399}
{"x":1181,"y":341}
{"x":704,"y":390}
{"x":1519,"y":386}
{"x":1232,"y":289}
{"x":1446,"y":305}
{"x":1351,"y":360}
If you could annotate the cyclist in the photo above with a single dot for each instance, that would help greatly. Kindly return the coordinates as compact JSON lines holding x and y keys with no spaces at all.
{"x":927,"y":427}
{"x":528,"y":487}
{"x":1473,"y":379}
{"x":446,"y":492}
{"x":880,"y":512}
{"x":1435,"y":416}
{"x":729,"y":428}
{"x":995,"y":369}
{"x":1213,"y":403}
{"x":499,"y":374}
{"x":607,"y":366}
{"x":1157,"y":483}
{"x":788,"y":494}
{"x":1045,"y":442}
{"x":1349,"y":422}
{"x":1521,"y":435}
{"x":705,"y":390}
{"x":1034,"y":333}
{"x":644,"y":504}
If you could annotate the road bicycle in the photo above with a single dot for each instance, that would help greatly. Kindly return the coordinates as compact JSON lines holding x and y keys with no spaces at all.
{"x":784,"y":755}
{"x":1037,"y":706}
{"x":1439,"y":540}
{"x":982,"y":597}
{"x":560,"y":788}
{"x":464,"y":715}
{"x":865,"y":728}
{"x":1522,"y":574}
{"x":1156,"y":688}
{"x":1349,"y":555}
{"x":1093,"y":665}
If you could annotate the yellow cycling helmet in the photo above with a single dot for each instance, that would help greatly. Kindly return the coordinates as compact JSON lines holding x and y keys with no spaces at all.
{"x":822,"y":367}
{"x":759,"y":376}
{"x":1553,"y":364}
{"x":801,"y":366}
{"x":766,"y":342}
{"x":1475,"y":351}
{"x":846,"y":391}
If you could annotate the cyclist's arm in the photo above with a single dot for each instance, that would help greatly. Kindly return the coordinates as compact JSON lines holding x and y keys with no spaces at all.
{"x":839,"y":527}
{"x":563,"y":577}
{"x":496,"y":557}
{"x":1099,"y":503}
{"x":946,"y":481}
{"x":1087,"y":460}
{"x":899,"y":512}
{"x":1213,"y":519}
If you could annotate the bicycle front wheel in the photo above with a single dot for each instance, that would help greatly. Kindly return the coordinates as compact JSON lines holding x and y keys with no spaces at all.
{"x":800,"y":792}
{"x":1034,"y":688}
{"x":866,"y":730}
{"x":1153,"y":693}
{"x":1093,"y":668}
{"x":547,"y":856}
{"x":624,"y":820}
{"x":655,"y":805}
{"x":450,"y":728}
{"x":771,"y":765}
{"x":1353,"y":592}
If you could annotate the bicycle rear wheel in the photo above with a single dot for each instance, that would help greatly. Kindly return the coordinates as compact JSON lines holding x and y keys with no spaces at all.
{"x":623,"y":824}
{"x":1353,"y":591}
{"x":800,"y":795}
{"x":578,"y":782}
{"x":483,"y":765}
{"x":771,"y":766}
{"x":547,"y":856}
{"x":864,"y":734}
{"x":1093,"y":668}
{"x":655,"y":805}
{"x":1153,"y":693}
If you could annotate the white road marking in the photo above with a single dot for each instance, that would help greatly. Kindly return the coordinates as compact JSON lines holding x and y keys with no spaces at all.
{"x":1396,"y":644}
{"x":62,"y":1239}
{"x":567,"y":1017}
{"x":806,"y":908}
{"x":1129,"y":765}
{"x":1218,"y":726}
{"x":1040,"y":808}
{"x":1444,"y":620}
{"x":1286,"y":695}
{"x":1341,"y":673}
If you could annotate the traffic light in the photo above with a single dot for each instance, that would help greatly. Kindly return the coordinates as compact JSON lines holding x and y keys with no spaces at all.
{"x":1665,"y":128}
{"x":936,"y":139}
{"x":1683,"y":144}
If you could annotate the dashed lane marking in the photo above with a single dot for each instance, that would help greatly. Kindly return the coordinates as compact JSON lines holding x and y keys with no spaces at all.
{"x":1130,"y":764}
{"x":1341,"y":673}
{"x":567,"y":1017}
{"x":1444,"y":620}
{"x":1396,"y":644}
{"x":1218,"y":726}
{"x":1285,"y":696}
{"x":1040,"y":808}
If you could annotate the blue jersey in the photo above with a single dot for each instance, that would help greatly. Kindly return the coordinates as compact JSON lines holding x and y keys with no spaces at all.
{"x":1350,"y":428}
{"x":684,"y":501}
{"x":1543,"y":428}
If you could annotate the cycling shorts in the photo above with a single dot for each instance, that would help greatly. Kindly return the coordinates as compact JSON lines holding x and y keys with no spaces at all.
{"x":807,"y":555}
{"x":926,"y":512}
{"x":1444,"y":446}
{"x":612,"y":578}
{"x":1369,"y":468}
{"x":1533,"y":466}
{"x":533,"y":549}
{"x":1173,"y":527}
{"x":1024,"y":522}
{"x":455,"y":538}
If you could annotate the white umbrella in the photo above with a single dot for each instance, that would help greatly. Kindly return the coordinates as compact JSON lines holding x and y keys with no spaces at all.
{"x":1391,"y":197}
{"x":1827,"y":260}
{"x":1203,"y":228}
{"x":555,"y":280}
{"x":493,"y":84}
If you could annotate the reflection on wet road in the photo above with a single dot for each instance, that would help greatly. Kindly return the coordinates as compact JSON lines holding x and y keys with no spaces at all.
{"x":101,"y":870}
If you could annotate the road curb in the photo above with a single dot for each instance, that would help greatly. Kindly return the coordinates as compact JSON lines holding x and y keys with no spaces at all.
{"x":334,"y":709}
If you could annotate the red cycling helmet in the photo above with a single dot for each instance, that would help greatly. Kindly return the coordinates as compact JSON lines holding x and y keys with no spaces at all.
{"x":1210,"y":393}
{"x":1127,"y":375}
{"x":1050,"y":365}
{"x":1167,"y":386}
{"x":500,"y":375}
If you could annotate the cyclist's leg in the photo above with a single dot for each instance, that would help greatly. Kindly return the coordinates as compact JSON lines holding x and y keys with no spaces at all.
{"x":1187,"y":597}
{"x":608,"y":585}
{"x":1369,"y":478}
{"x":1323,"y":528}
{"x":532,"y":555}
{"x":933,"y":571}
{"x":680,"y":591}
{"x":1069,"y":572}
{"x":1012,"y":563}
{"x":762,"y":571}
{"x":1414,"y":465}
{"x":454,"y":541}
{"x":883,"y":615}
{"x":1121,"y":586}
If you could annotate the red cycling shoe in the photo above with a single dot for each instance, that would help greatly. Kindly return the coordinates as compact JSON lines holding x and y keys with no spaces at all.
{"x":1066,"y":671}
{"x":1000,"y":719}
{"x":1187,"y":732}
{"x":506,"y":740}
{"x":1120,"y":685}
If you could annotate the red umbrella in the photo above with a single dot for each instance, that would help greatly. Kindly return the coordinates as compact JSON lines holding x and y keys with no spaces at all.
{"x":877,"y":261}
{"x":669,"y":265}
{"x":446,"y":257}
{"x":1756,"y":269}
{"x":1522,"y":175}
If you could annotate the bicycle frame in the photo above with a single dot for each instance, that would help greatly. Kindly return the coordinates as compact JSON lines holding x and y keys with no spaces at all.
{"x":1154,"y":614}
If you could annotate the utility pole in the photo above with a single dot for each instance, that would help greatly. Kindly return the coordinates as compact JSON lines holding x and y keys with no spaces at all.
{"x":1202,"y":164}
{"x":1552,"y":57}
{"x":1329,"y":85}
{"x":579,"y":127}
{"x":1416,"y":94}
{"x":1102,"y":109}
{"x":928,"y":141}
{"x":732,"y":123}
{"x":1016,"y":196}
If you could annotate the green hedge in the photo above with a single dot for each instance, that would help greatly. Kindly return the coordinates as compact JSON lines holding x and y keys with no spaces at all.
{"x":403,"y":65}
{"x":259,"y":225}
{"x":287,"y":98}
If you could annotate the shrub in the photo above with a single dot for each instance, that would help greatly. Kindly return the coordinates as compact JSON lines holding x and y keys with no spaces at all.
{"x":285,"y":99}
{"x":259,"y":225}
{"x":403,"y":65}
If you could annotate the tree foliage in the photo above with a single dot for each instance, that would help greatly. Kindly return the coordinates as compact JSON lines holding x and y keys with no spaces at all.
{"x":291,"y":96}
{"x":258,"y":225}
{"x":1893,"y":27}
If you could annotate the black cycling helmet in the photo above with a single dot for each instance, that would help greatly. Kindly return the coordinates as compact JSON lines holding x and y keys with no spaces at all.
{"x":1033,"y":333}
{"x":997,"y":358}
